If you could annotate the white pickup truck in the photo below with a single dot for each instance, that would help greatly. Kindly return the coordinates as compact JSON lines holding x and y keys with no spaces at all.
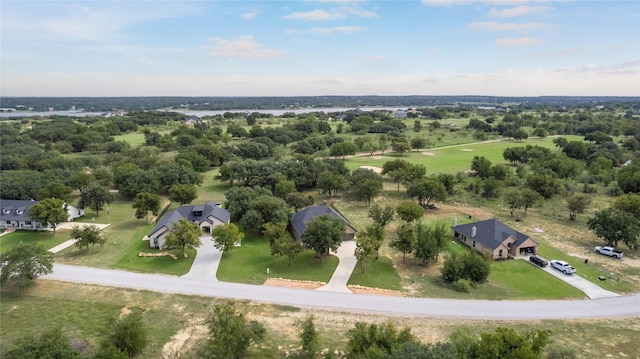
{"x":562,"y":266}
{"x":608,"y":251}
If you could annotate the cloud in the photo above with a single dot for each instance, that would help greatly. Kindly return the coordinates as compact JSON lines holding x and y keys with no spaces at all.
{"x":557,"y":52}
{"x":519,"y":41}
{"x":517,"y":11}
{"x":376,"y":59}
{"x":446,"y":2}
{"x":249,"y":15}
{"x":508,"y":26}
{"x":241,"y":47}
{"x":316,"y":15}
{"x":337,"y":29}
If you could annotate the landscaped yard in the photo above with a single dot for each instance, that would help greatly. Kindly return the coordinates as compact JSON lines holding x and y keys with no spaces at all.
{"x":45,"y":238}
{"x":380,"y":273}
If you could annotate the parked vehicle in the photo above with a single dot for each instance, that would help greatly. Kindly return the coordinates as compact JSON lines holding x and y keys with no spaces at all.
{"x":608,"y":251}
{"x":539,"y":261}
{"x":562,"y":266}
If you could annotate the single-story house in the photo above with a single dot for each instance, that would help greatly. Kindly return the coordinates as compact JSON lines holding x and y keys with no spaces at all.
{"x":207,"y":216}
{"x":190,"y":121}
{"x":495,"y":238}
{"x":15,"y":214}
{"x":299,"y":220}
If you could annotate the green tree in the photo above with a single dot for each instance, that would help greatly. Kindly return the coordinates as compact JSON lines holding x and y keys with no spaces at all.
{"x":52,"y":343}
{"x":55,"y":190}
{"x":471,"y":266}
{"x":146,"y":202}
{"x":418,"y":143}
{"x":367,"y":184}
{"x":183,"y":193}
{"x":577,"y":204}
{"x":87,"y":235}
{"x":629,"y":179}
{"x":381,"y":215}
{"x":508,"y":344}
{"x":128,"y":334}
{"x":281,"y":242}
{"x":514,"y":200}
{"x":404,"y":240}
{"x":309,"y":337}
{"x":365,"y":248}
{"x":226,"y":236}
{"x":427,"y":189}
{"x":429,"y":241}
{"x":613,"y":226}
{"x":95,"y":196}
{"x":331,"y":182}
{"x":481,"y":166}
{"x":629,"y":203}
{"x":343,"y":149}
{"x":409,"y":211}
{"x":376,"y":341}
{"x":252,"y":221}
{"x":323,"y":233}
{"x":230,"y":333}
{"x":400,"y":146}
{"x":184,"y":234}
{"x":50,"y":210}
{"x":529,"y":198}
{"x":24,"y":263}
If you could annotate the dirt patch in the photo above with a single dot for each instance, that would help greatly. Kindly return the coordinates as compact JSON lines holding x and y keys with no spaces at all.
{"x":428,"y":153}
{"x":373,"y":168}
{"x":379,"y":157}
{"x":358,"y":289}
{"x":289,"y":283}
{"x":179,"y":341}
{"x":466,"y":150}
{"x":124,"y":312}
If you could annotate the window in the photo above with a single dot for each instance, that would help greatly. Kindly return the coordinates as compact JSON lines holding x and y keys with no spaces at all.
{"x":6,"y":211}
{"x":20,"y":211}
{"x":474,"y":244}
{"x":500,"y":253}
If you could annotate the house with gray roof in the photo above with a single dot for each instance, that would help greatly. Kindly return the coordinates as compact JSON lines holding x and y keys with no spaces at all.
{"x":494,"y":238}
{"x":14,"y":214}
{"x":299,"y":220}
{"x":207,"y":216}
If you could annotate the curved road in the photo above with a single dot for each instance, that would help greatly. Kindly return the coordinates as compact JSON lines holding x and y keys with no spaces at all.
{"x":477,"y":309}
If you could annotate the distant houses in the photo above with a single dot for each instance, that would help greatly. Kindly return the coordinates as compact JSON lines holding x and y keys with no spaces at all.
{"x":494,"y":238}
{"x":14,"y":214}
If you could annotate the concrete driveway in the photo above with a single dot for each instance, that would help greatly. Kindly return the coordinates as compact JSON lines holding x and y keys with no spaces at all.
{"x":591,"y":289}
{"x":347,"y":262}
{"x":207,"y":260}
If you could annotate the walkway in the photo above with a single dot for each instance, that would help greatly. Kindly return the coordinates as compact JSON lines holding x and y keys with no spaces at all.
{"x":205,"y":266}
{"x":347,"y":262}
{"x":425,"y":307}
{"x":63,"y":245}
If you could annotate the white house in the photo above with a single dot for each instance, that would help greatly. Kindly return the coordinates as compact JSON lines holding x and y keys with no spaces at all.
{"x":15,"y":214}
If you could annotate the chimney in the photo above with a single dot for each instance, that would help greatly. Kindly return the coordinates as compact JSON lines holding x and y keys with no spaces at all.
{"x":218,"y":204}
{"x":455,"y":221}
{"x":324,"y":202}
{"x":473,"y":231}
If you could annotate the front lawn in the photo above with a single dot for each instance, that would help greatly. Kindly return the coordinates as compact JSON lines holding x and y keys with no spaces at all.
{"x":379,"y":274}
{"x":46,"y":238}
{"x":248,"y":263}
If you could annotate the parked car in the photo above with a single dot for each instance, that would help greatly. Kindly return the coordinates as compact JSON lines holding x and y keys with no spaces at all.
{"x":539,"y":261}
{"x":562,"y":266}
{"x":608,"y":251}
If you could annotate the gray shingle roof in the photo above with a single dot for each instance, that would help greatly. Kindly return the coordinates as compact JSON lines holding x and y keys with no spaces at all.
{"x":299,"y":219}
{"x":208,"y":209}
{"x":491,"y":233}
{"x":15,"y":210}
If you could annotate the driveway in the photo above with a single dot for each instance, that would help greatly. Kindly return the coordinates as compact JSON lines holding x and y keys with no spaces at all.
{"x":347,"y":262}
{"x":404,"y":306}
{"x":207,"y":260}
{"x":589,"y":288}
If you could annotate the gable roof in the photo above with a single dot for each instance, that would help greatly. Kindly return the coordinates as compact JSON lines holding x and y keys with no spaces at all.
{"x":187,"y":212}
{"x":491,"y":233}
{"x":15,"y":210}
{"x":299,"y":219}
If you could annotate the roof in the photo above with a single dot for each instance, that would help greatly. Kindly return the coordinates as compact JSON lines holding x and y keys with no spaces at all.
{"x":187,"y":212}
{"x":491,"y":233}
{"x":299,"y":219}
{"x":15,"y":210}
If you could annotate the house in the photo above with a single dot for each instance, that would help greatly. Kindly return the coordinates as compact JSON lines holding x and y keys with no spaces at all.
{"x":299,"y":220}
{"x":207,"y":216}
{"x":15,"y":214}
{"x":495,"y":238}
{"x":190,"y":121}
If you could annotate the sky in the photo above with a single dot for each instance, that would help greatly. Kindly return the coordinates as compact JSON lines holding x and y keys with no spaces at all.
{"x":322,"y":47}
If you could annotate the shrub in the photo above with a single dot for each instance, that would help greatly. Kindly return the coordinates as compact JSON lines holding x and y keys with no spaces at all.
{"x":462,"y":285}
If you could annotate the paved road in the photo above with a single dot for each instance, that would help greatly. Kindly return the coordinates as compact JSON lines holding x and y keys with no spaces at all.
{"x":205,"y":266}
{"x":478,"y":309}
{"x":347,"y":262}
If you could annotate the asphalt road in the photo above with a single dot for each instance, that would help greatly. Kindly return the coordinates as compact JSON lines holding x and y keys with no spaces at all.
{"x":476,"y":309}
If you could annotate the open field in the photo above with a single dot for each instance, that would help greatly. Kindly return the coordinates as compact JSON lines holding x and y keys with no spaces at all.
{"x":45,"y":238}
{"x":175,"y":323}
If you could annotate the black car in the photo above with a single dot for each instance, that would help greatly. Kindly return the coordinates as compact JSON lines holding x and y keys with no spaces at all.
{"x":539,"y":261}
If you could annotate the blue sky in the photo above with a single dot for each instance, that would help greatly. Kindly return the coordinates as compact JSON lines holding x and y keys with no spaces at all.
{"x":324,"y":47}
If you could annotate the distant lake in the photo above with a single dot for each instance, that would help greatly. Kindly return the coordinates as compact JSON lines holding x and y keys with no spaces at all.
{"x":199,"y":113}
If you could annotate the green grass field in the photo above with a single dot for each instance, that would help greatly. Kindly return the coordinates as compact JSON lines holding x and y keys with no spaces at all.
{"x":45,"y":238}
{"x":380,"y":273}
{"x":248,"y":263}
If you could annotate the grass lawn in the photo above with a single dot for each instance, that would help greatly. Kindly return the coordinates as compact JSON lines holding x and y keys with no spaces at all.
{"x":249,"y":262}
{"x":46,"y":238}
{"x":379,"y":274}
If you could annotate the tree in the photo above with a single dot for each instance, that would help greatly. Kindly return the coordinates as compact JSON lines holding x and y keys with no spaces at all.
{"x":128,"y":334}
{"x":309,"y":337}
{"x":471,"y":266}
{"x":146,"y":202}
{"x":184,"y":234}
{"x":418,"y":143}
{"x":544,"y":184}
{"x":50,"y":210}
{"x":376,"y":341}
{"x":375,"y":232}
{"x":429,"y":241}
{"x":404,"y":240}
{"x":298,"y":200}
{"x":367,"y":183}
{"x":87,"y":235}
{"x":481,"y":166}
{"x":323,"y":233}
{"x":514,"y":200}
{"x":629,"y":179}
{"x":529,"y":198}
{"x":381,"y":215}
{"x":427,"y":189}
{"x":629,"y":203}
{"x":55,"y":190}
{"x":139,"y":181}
{"x":409,"y":211}
{"x":183,"y":193}
{"x":400,"y":146}
{"x":252,"y":221}
{"x":577,"y":204}
{"x":95,"y":196}
{"x":508,"y":344}
{"x":331,"y":182}
{"x":230,"y":333}
{"x":343,"y":149}
{"x":24,"y":263}
{"x":52,"y":343}
{"x":613,"y":226}
{"x":286,"y":246}
{"x":226,"y":236}
{"x":365,"y":248}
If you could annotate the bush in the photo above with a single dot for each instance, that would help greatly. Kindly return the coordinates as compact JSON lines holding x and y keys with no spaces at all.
{"x":462,"y":285}
{"x":470,"y":266}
